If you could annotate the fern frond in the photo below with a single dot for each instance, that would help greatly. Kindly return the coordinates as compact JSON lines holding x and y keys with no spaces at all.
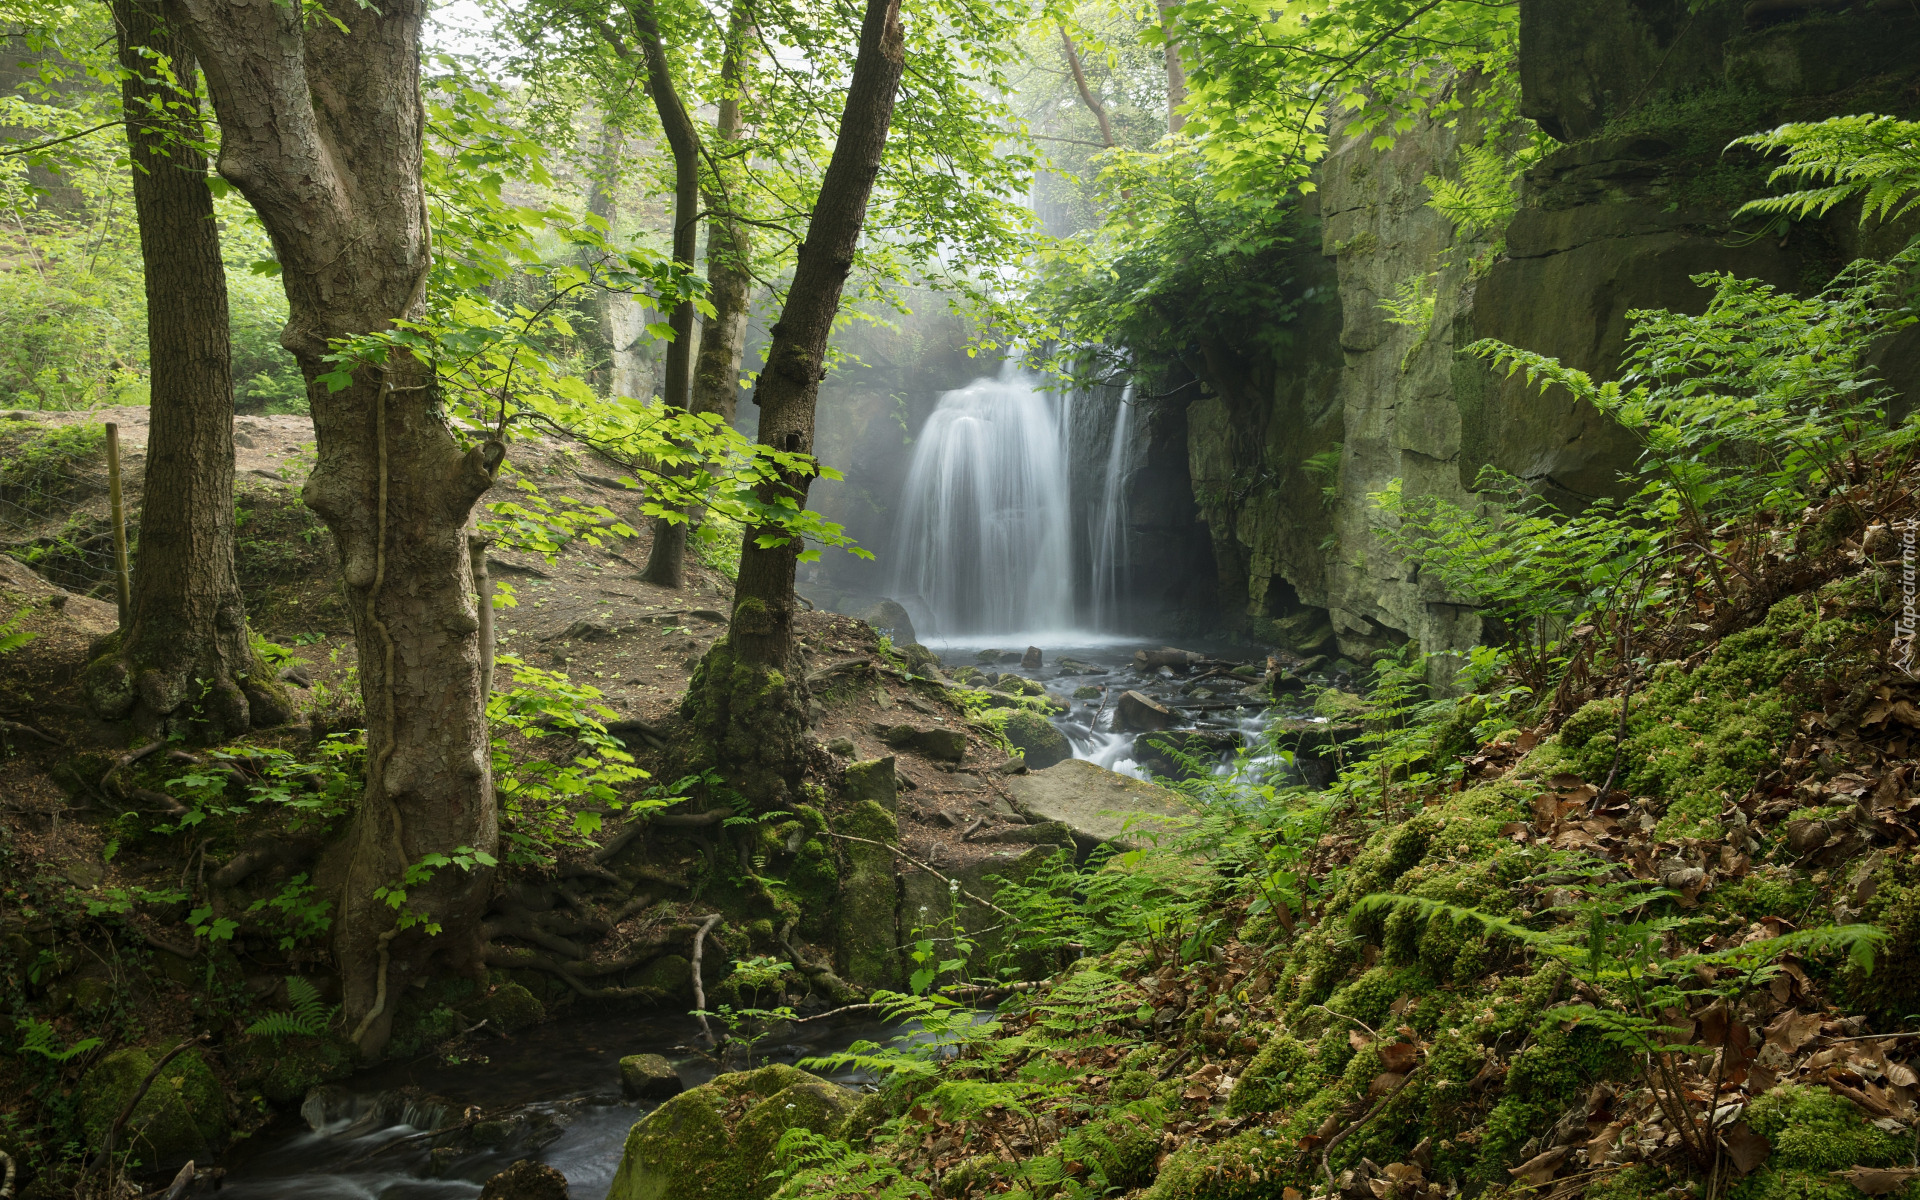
{"x":12,"y":637}
{"x":1874,"y":157}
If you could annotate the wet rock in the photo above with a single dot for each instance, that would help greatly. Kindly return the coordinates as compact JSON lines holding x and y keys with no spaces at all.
{"x":1087,"y":692}
{"x":1157,"y":749}
{"x":1139,"y":711}
{"x":183,"y":1115}
{"x":526,"y":1180}
{"x":1035,"y":737}
{"x":871,"y":780}
{"x":648,"y":1077}
{"x":1031,"y":659}
{"x":1073,"y":666}
{"x":1099,"y":805}
{"x":1165,"y":656}
{"x":690,"y":1149}
{"x":1010,"y":656}
{"x":988,"y":657}
{"x":510,"y":1008}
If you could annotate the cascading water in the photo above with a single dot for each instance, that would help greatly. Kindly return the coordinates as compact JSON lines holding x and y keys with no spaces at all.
{"x":1108,"y":532}
{"x":983,"y":544}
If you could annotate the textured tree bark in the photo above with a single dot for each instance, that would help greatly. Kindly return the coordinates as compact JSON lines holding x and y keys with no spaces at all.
{"x":183,"y":662}
{"x":321,"y":126}
{"x":745,"y":699}
{"x":667,"y":561}
{"x":723,"y":336}
{"x":597,"y":334}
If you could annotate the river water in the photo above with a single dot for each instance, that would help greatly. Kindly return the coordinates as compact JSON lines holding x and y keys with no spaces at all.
{"x":551,"y":1093}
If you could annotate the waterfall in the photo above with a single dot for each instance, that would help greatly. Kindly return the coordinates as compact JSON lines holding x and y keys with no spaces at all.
{"x":983,"y":543}
{"x":1108,"y":532}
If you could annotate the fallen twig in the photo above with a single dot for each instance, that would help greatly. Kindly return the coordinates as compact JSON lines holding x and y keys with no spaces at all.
{"x":699,"y":989}
{"x":1326,"y":1152}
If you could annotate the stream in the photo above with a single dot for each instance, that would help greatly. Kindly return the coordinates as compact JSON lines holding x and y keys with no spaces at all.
{"x":551,"y":1093}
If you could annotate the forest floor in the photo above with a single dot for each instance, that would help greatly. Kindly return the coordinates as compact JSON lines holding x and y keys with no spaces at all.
{"x":98,"y":910}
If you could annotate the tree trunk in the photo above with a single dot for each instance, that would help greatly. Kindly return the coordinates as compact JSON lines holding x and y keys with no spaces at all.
{"x":183,"y":663}
{"x":745,"y":699}
{"x":723,"y":337}
{"x":667,"y":561}
{"x":1176,"y":72}
{"x":1087,"y":97}
{"x":597,"y":334}
{"x":321,"y":122}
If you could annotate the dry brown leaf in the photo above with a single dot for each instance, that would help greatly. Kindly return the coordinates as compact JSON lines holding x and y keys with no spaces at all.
{"x":1539,"y":1170}
{"x":1746,"y":1148}
{"x":1358,"y":1040}
{"x":1399,"y":1057}
{"x":1878,"y":1181}
{"x":1385,"y":1084}
{"x":1793,"y":1029}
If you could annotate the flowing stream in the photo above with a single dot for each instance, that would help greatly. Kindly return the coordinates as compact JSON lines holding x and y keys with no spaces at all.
{"x":551,"y":1093}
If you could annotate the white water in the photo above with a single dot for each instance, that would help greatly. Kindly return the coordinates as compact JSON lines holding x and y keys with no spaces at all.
{"x":983,"y":542}
{"x":1108,"y":534}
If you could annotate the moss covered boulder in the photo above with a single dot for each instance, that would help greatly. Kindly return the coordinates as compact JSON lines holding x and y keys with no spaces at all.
{"x":282,"y":1070}
{"x":867,"y":938}
{"x":648,"y":1077}
{"x":182,"y":1116}
{"x":510,"y":1008}
{"x":716,"y":1142}
{"x":1036,"y":738}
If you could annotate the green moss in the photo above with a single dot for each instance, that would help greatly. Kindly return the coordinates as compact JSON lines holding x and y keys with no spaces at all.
{"x":1284,"y":1074}
{"x":182,"y":1116}
{"x":746,"y":721}
{"x":1036,"y":738}
{"x":1118,"y":1154}
{"x":1814,"y":1129}
{"x":512,"y":1008}
{"x":1243,"y":1167}
{"x":283,"y":1070}
{"x":1764,"y":894}
{"x":867,"y":942}
{"x":1696,"y":737}
{"x":715,"y":1142}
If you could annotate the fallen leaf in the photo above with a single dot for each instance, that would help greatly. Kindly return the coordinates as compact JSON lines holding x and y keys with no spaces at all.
{"x":1539,"y":1170}
{"x":1878,"y":1181}
{"x":1385,"y":1084}
{"x":1793,"y":1029}
{"x":1291,"y":1194}
{"x":1746,"y":1148}
{"x":1357,"y":1040}
{"x":1399,"y":1057}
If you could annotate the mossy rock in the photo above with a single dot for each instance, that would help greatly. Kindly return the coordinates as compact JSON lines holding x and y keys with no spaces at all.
{"x":1036,"y":738}
{"x":868,"y":943}
{"x":182,"y":1116}
{"x":716,"y":1141}
{"x":670,"y":974}
{"x":511,"y":1008}
{"x":283,"y":1070}
{"x":1283,"y":1074}
{"x":1244,"y":1167}
{"x":648,"y":1077}
{"x":871,"y":780}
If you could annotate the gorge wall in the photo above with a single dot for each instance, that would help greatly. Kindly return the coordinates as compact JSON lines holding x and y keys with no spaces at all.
{"x":1642,"y":97}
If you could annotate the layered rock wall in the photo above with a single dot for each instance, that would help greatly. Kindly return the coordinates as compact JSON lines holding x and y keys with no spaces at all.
{"x":1636,"y":200}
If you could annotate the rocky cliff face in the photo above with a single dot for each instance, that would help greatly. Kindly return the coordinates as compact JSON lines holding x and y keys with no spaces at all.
{"x":1643,"y":96}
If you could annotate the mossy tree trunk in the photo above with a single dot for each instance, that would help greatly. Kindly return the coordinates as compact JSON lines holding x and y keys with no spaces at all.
{"x":184,"y":663}
{"x":321,"y":126}
{"x":746,"y":699}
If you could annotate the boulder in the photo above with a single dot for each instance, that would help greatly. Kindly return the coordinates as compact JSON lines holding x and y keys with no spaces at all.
{"x":283,"y":1070}
{"x":511,"y":1008}
{"x":867,"y":941}
{"x":716,"y":1141}
{"x":1308,"y":632}
{"x":871,"y":780}
{"x":1086,"y":692}
{"x":526,"y":1180}
{"x":1099,"y":805}
{"x":1035,"y":737}
{"x":1165,"y":656}
{"x":890,"y":621}
{"x":947,"y":745}
{"x":1073,"y":666}
{"x":1139,"y":711}
{"x":1031,"y":659}
{"x":842,"y":746}
{"x":648,"y":1077}
{"x":183,"y":1115}
{"x":1195,"y":743}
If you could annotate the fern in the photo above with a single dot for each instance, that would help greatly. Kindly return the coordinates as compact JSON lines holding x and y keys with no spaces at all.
{"x":1876,"y":158}
{"x":815,"y":1166}
{"x":12,"y":637}
{"x":1487,"y":192}
{"x":37,"y":1037}
{"x":308,"y":1017}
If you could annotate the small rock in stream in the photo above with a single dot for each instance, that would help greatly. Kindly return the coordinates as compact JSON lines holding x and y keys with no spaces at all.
{"x":648,"y":1077}
{"x":526,"y":1180}
{"x":1031,"y":659}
